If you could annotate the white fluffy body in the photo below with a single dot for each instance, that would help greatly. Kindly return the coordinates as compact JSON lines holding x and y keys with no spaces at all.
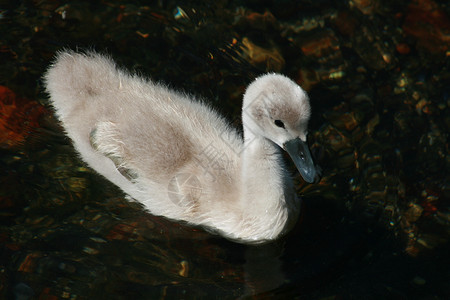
{"x":176,"y":155}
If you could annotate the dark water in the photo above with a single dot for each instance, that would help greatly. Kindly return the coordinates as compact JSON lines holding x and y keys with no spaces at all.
{"x":376,"y":227}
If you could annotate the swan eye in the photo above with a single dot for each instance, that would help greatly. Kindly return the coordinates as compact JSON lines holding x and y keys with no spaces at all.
{"x":279,"y":123}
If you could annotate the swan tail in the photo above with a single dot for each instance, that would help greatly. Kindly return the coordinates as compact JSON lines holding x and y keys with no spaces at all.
{"x":74,"y":79}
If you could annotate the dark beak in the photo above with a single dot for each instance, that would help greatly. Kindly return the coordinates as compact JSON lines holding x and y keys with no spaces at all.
{"x":300,"y":154}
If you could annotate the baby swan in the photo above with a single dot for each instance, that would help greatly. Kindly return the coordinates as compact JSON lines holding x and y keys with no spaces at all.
{"x":177,"y":156}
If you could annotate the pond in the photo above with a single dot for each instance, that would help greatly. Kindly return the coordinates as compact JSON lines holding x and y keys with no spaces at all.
{"x":376,"y":226}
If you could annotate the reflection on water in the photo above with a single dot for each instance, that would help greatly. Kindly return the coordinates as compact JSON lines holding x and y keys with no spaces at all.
{"x":376,"y":226}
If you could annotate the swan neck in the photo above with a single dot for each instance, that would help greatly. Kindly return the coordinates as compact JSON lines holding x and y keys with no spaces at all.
{"x":262,"y":171}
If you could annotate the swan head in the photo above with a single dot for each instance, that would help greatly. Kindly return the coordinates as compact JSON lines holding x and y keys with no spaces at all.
{"x":278,"y":109}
